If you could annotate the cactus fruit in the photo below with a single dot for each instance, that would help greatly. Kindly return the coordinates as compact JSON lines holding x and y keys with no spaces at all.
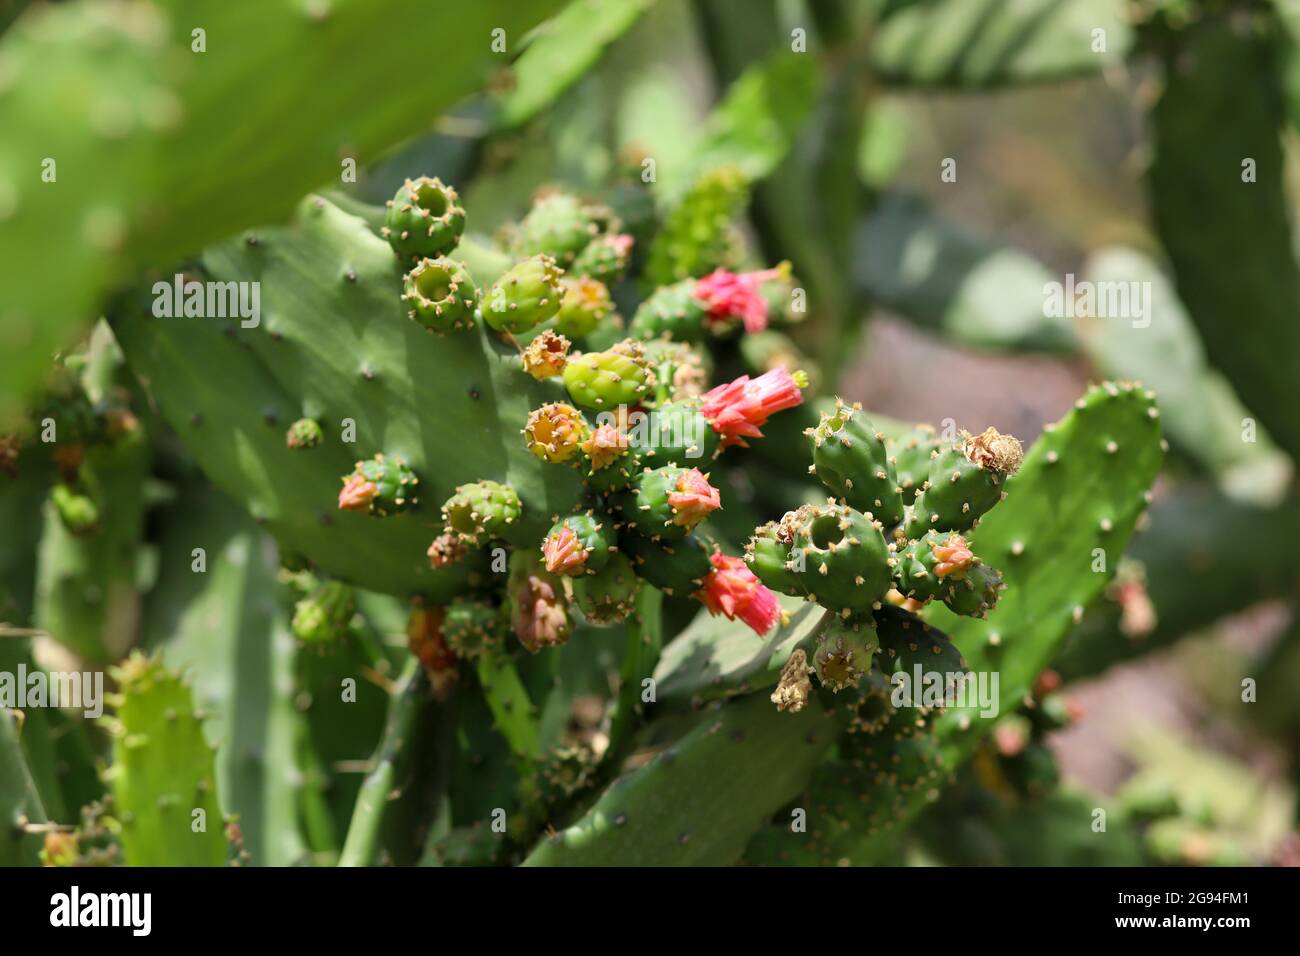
{"x":555,"y":432}
{"x":604,"y":259}
{"x":526,"y":296}
{"x":674,"y":567}
{"x":559,"y":225}
{"x":738,"y":409}
{"x":607,"y":457}
{"x":931,"y":566}
{"x":850,"y":459}
{"x":697,"y":236}
{"x":481,"y":509}
{"x":471,"y":626}
{"x":681,"y":370}
{"x":424,"y":219}
{"x":78,"y":512}
{"x":163,"y":775}
{"x":304,"y":433}
{"x":964,"y":482}
{"x":669,"y":502}
{"x":976,"y":593}
{"x":844,"y":652}
{"x":677,"y":434}
{"x":907,"y":642}
{"x":619,"y":376}
{"x":769,"y":555}
{"x":609,"y":595}
{"x":440,"y":295}
{"x":579,"y":544}
{"x":379,"y":486}
{"x":732,"y":590}
{"x":845,"y":560}
{"x":539,"y":610}
{"x":546,"y":355}
{"x":447,"y":549}
{"x":670,"y":311}
{"x":425,"y":640}
{"x":910,"y":454}
{"x":322,"y":616}
{"x":584,"y":305}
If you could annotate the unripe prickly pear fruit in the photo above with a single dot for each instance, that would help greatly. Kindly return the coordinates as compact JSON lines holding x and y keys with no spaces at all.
{"x":424,"y":219}
{"x":674,"y":567}
{"x":440,"y":295}
{"x":304,"y":433}
{"x":78,"y":513}
{"x":965,"y":481}
{"x":554,"y":432}
{"x":322,"y":616}
{"x":579,"y":544}
{"x":546,"y":355}
{"x":616,"y":377}
{"x":524,"y":297}
{"x":976,"y":593}
{"x":845,"y":649}
{"x":605,"y":258}
{"x":768,"y":555}
{"x":558,"y":225}
{"x":851,"y":461}
{"x":471,"y":626}
{"x":931,"y":565}
{"x":609,"y":595}
{"x":607,"y":458}
{"x":481,"y":509}
{"x":669,"y":502}
{"x":672,"y":311}
{"x":379,"y":486}
{"x":584,"y":305}
{"x":539,"y":610}
{"x":685,"y":371}
{"x":844,"y":559}
{"x":677,"y":434}
{"x":907,"y":642}
{"x":911,"y":455}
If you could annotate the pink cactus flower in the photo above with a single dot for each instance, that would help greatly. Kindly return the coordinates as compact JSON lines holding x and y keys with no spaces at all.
{"x":739,"y":409}
{"x":733,"y":590}
{"x":735,"y":295}
{"x":694,"y":500}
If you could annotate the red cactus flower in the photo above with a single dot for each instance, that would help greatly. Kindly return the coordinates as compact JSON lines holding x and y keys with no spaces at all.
{"x":604,"y":445}
{"x":564,"y":553}
{"x":735,"y":295}
{"x":733,"y":590}
{"x":954,"y":556}
{"x":357,"y":494}
{"x":694,"y":500}
{"x":739,"y":409}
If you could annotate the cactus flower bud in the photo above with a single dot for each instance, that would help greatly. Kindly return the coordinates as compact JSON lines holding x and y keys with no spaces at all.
{"x":738,"y":410}
{"x":731,"y":589}
{"x":538,"y":607}
{"x":605,"y":445}
{"x":546,"y":355}
{"x":379,"y":486}
{"x":954,"y":556}
{"x":357,"y":494}
{"x":554,"y":432}
{"x":694,"y":499}
{"x":304,"y":433}
{"x":446,"y":550}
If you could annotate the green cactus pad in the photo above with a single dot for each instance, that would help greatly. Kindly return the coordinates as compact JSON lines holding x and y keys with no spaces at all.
{"x":424,"y":219}
{"x":470,"y":626}
{"x":850,"y":459}
{"x":844,"y":556}
{"x":526,"y":296}
{"x":844,"y":652}
{"x":481,"y":509}
{"x":609,"y":595}
{"x":440,"y":295}
{"x":620,"y":376}
{"x":162,"y":776}
{"x":674,"y":567}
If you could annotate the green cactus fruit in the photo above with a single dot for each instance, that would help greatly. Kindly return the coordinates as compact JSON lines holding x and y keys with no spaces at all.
{"x":424,"y":219}
{"x":304,"y":433}
{"x":322,"y":616}
{"x":609,"y":595}
{"x":676,"y":434}
{"x":873,"y":709}
{"x":911,"y":453}
{"x":674,"y":567}
{"x":931,"y":566}
{"x":672,"y":311}
{"x":584,"y":304}
{"x":379,"y":486}
{"x":698,"y":234}
{"x":619,"y":376}
{"x":964,"y":482}
{"x":841,"y":557}
{"x":526,"y":296}
{"x":682,"y":371}
{"x":162,"y":773}
{"x":908,"y":643}
{"x":481,"y":509}
{"x":608,"y":461}
{"x":605,"y":258}
{"x":471,"y":626}
{"x":536,"y":604}
{"x":77,"y":511}
{"x":976,"y":593}
{"x":440,"y":295}
{"x":768,"y":555}
{"x":850,"y":459}
{"x":579,"y":544}
{"x":669,"y":502}
{"x":844,"y":652}
{"x":904,"y":753}
{"x":558,"y":225}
